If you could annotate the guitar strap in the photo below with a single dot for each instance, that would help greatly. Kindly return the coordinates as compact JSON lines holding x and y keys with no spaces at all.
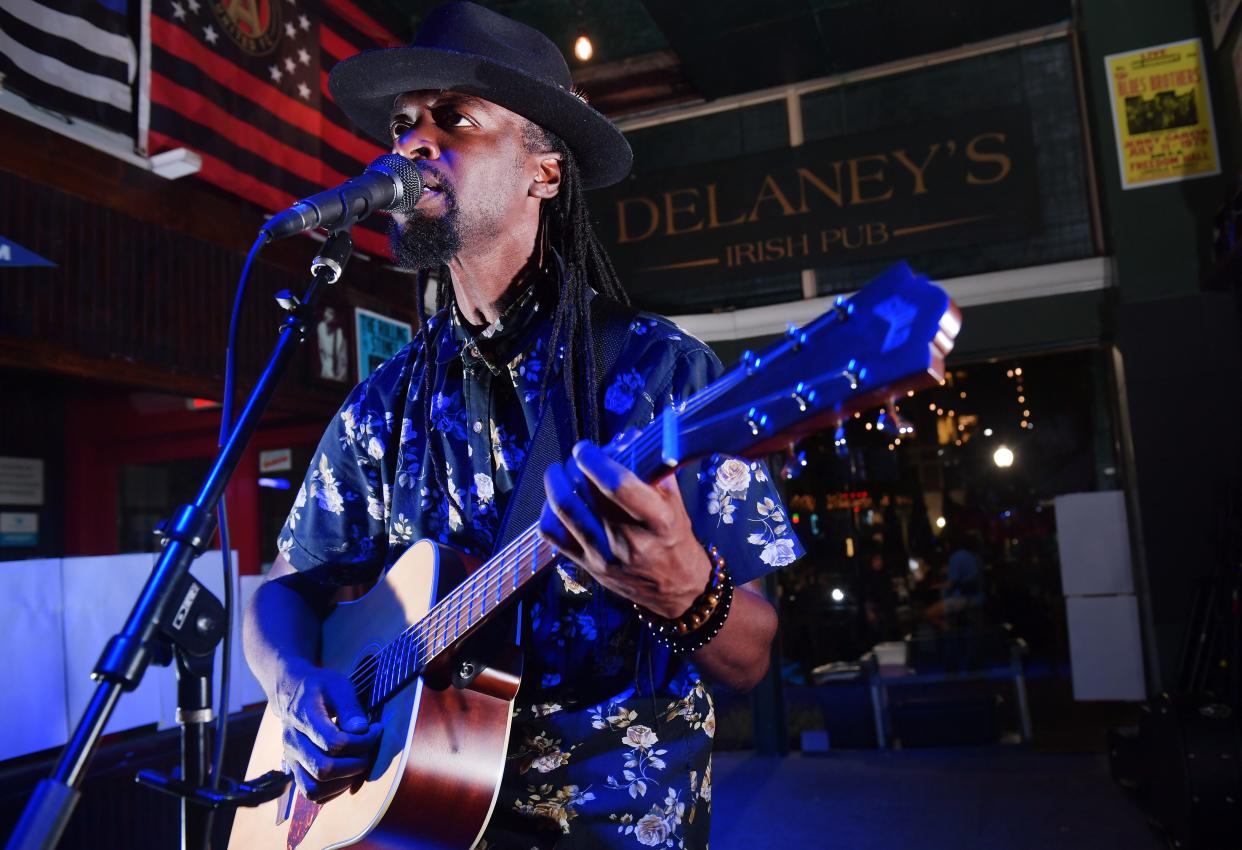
{"x":610,"y":324}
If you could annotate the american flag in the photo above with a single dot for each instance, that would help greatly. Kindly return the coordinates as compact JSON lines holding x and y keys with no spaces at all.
{"x":75,"y":57}
{"x":244,"y":84}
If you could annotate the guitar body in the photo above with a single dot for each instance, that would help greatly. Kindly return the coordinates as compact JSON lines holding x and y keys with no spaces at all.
{"x":439,"y":762}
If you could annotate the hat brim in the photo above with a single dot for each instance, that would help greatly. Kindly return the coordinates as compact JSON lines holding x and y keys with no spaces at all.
{"x":364,"y":86}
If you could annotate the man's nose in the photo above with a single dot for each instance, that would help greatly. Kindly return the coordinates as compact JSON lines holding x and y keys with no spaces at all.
{"x":416,"y":144}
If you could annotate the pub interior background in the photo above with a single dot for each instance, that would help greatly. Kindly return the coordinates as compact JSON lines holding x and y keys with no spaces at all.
{"x":1082,"y":450}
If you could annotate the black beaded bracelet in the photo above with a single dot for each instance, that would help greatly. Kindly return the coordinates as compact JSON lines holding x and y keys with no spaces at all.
{"x":706,"y":617}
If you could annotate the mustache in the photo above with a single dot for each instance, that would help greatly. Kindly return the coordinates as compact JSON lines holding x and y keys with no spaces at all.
{"x":431,"y":176}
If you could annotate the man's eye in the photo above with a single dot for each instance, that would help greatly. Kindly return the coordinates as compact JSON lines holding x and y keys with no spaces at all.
{"x":399,"y":129}
{"x":451,"y":118}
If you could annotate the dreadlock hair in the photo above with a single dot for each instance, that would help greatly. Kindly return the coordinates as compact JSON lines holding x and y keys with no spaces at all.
{"x":564,"y":231}
{"x":565,"y":228}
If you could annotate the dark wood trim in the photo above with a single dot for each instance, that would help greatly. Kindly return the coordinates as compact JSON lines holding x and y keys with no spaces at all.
{"x":38,"y":356}
{"x":58,"y":161}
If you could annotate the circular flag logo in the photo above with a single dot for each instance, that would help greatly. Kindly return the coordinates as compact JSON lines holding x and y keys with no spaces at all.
{"x":253,"y":25}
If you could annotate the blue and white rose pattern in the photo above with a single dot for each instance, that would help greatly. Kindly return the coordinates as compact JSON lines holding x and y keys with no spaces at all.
{"x":611,"y":738}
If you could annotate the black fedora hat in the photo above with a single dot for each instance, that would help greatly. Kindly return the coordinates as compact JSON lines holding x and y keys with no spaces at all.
{"x":467,"y":48}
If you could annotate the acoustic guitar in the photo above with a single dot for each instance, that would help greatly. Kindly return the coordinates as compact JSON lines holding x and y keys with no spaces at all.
{"x":445,"y":717}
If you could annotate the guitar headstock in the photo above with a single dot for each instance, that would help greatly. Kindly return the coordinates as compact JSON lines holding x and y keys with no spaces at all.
{"x":891,"y":336}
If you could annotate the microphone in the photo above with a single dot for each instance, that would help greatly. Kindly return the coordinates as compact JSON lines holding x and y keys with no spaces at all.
{"x":391,"y":183}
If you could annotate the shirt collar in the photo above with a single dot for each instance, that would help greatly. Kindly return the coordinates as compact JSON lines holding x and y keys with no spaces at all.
{"x":504,"y":339}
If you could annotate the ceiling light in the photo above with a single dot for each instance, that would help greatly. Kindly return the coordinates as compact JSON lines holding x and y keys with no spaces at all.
{"x":583,"y":48}
{"x":1003,"y":457}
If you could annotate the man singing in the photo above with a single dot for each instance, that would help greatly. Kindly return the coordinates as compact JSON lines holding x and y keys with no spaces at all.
{"x":611,"y":737}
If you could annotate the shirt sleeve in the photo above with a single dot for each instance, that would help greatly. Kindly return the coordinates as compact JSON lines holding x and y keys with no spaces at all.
{"x":733,"y":503}
{"x":336,"y":532}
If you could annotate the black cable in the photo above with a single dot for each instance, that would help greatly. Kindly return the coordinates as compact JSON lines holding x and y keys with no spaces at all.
{"x":226,"y":426}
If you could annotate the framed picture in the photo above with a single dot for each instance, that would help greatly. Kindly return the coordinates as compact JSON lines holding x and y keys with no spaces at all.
{"x":379,"y":338}
{"x":329,"y":345}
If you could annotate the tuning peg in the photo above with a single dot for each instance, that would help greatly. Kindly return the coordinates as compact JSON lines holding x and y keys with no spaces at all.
{"x":804,"y":397}
{"x":756,"y":420}
{"x":794,"y":462}
{"x":854,"y":374}
{"x":796,"y":335}
{"x":842,"y":309}
{"x":751,"y":361}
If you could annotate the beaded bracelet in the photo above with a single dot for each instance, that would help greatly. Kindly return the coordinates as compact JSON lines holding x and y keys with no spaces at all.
{"x":703,"y":621}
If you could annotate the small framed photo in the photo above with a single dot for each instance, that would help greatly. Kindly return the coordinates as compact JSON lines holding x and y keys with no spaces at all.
{"x":329,"y":346}
{"x":379,"y":338}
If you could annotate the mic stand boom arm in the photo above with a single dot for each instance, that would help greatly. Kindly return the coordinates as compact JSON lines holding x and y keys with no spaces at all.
{"x":171,"y":610}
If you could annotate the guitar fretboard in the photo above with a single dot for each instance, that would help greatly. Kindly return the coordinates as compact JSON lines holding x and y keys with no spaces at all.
{"x":471,"y":603}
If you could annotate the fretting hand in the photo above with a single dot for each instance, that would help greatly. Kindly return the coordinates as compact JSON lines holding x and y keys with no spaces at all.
{"x":634,"y":538}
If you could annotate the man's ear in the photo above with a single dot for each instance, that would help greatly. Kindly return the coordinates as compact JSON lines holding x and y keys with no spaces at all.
{"x":547,"y":182}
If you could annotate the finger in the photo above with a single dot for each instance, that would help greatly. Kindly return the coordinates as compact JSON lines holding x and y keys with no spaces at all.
{"x":316,"y":791}
{"x":316,"y":724}
{"x":342,"y":702}
{"x":554,"y":532}
{"x":321,"y":766}
{"x":575,"y":516}
{"x":623,"y":488}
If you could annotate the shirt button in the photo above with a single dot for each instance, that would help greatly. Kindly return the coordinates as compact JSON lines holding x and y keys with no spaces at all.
{"x":478,"y":427}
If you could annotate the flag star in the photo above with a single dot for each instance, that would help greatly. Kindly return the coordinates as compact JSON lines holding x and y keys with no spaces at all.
{"x":178,"y":10}
{"x":290,"y":31}
{"x":193,"y":4}
{"x":276,"y":73}
{"x":209,"y":33}
{"x":303,"y":56}
{"x":289,"y":66}
{"x":304,"y":22}
{"x":304,"y":90}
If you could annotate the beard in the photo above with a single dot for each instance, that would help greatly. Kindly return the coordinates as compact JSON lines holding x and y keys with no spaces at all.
{"x":426,"y":242}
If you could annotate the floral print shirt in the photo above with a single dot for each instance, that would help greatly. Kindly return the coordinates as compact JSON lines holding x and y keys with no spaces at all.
{"x":611,"y":736}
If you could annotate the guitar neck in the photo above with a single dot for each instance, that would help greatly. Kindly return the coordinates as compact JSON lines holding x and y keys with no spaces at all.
{"x":473,"y":602}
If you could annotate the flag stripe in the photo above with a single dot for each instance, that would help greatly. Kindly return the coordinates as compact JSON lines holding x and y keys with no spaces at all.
{"x":168,"y":66}
{"x":201,"y":140}
{"x":50,"y":44}
{"x":274,"y":190}
{"x":220,"y":173}
{"x":36,"y":90}
{"x":224,"y":176}
{"x":175,"y":40}
{"x":98,"y":14}
{"x":369,"y":28}
{"x":57,"y":73}
{"x":76,"y":31}
{"x":241,"y":133}
{"x":335,"y":46}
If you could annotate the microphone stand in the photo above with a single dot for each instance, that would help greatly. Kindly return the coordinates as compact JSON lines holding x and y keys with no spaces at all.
{"x":176,"y":617}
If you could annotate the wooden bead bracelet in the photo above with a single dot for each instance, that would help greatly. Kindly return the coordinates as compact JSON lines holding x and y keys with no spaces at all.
{"x":704,"y":619}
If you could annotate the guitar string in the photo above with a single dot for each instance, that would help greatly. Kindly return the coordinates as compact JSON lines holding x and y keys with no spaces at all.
{"x":444,"y":617}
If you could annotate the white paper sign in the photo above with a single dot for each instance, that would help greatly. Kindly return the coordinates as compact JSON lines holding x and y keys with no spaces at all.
{"x":275,"y":460}
{"x":21,"y":481}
